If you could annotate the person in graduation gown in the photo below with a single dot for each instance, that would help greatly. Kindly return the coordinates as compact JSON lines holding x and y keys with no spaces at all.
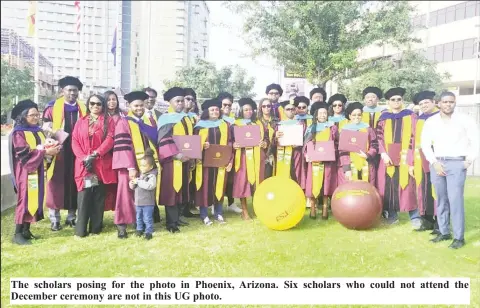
{"x":336,"y":110}
{"x":358,"y":165}
{"x":274,"y":92}
{"x":249,"y":165}
{"x":287,"y":164}
{"x":191,"y":107}
{"x":28,"y":165}
{"x":302,"y":116}
{"x":269,"y":122}
{"x":318,"y":95}
{"x":174,"y":192}
{"x":210,"y":182}
{"x":426,"y":198}
{"x":320,"y":176}
{"x":133,"y":134}
{"x":61,"y":188}
{"x":150,"y":104}
{"x":92,"y":142}
{"x":395,"y":185}
{"x":228,"y":116}
{"x":371,"y":109}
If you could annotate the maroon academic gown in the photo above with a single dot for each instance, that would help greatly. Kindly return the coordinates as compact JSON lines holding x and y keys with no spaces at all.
{"x":25,"y":161}
{"x":371,"y":157}
{"x":241,"y":186}
{"x":111,"y":189}
{"x":87,"y":139}
{"x":61,"y":189}
{"x":205,"y":196}
{"x":330,"y":170}
{"x":394,"y":197}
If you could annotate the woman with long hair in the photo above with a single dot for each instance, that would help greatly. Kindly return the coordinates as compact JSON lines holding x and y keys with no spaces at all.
{"x":269,"y":121}
{"x":320,"y":177}
{"x":28,"y":165}
{"x":336,"y":109}
{"x":92,"y":142}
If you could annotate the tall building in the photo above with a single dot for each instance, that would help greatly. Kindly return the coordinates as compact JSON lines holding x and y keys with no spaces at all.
{"x":168,"y":36}
{"x":59,"y":40}
{"x":450,"y":34}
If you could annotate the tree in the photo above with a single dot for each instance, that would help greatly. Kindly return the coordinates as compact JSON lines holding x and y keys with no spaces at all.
{"x":15,"y":82}
{"x":413,"y":72}
{"x":320,"y":39}
{"x":208,"y":82}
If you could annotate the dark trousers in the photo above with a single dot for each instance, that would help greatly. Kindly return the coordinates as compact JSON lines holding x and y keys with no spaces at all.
{"x":171,"y":216}
{"x":91,"y":203}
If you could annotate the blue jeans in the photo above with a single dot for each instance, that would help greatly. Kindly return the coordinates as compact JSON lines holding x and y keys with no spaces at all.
{"x":450,"y":201}
{"x":218,"y":210}
{"x":145,"y":218}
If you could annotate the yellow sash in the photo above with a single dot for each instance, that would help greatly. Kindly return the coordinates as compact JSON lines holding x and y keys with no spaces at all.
{"x":179,"y":130}
{"x":252,"y":157}
{"x":59,"y":123}
{"x":358,"y":163}
{"x":32,"y":182}
{"x":284,"y":160}
{"x":417,"y":164}
{"x":366,"y":118}
{"x":281,"y":112}
{"x":406,"y":135}
{"x":220,"y":171}
{"x":140,"y":150}
{"x":318,"y":168}
{"x":342,"y":123}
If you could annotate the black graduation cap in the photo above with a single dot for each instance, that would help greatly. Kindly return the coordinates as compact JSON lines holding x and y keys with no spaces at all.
{"x":351,"y":107}
{"x":285,"y":103}
{"x":247,"y":101}
{"x":319,"y":90}
{"x":190,"y":91}
{"x":373,"y":90}
{"x":211,"y":103}
{"x":301,"y":99}
{"x":224,"y":95}
{"x":70,"y":81}
{"x":21,"y":106}
{"x":337,"y":97}
{"x":173,"y":92}
{"x":316,"y":106}
{"x":394,"y":91}
{"x":420,"y":96}
{"x":274,"y":86}
{"x":135,"y":95}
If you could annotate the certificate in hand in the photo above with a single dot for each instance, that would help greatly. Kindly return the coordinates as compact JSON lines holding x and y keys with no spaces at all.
{"x":247,"y":135}
{"x":60,"y":135}
{"x":292,"y":135}
{"x":323,"y":151}
{"x":217,"y":156}
{"x":190,"y":146}
{"x":353,"y":141}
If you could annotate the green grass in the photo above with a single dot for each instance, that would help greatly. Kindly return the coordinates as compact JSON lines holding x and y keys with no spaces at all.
{"x":315,"y":248}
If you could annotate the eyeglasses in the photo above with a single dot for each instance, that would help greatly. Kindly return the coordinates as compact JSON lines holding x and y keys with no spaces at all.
{"x":227,"y":105}
{"x":36,"y":115}
{"x":273,"y":93}
{"x":302,"y":107}
{"x":95,"y":104}
{"x":337,"y":105}
{"x":266,"y":106}
{"x":395,"y":99}
{"x":288,"y":109}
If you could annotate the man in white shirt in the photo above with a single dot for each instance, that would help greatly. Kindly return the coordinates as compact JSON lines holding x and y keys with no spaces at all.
{"x":450,"y":143}
{"x":150,"y":104}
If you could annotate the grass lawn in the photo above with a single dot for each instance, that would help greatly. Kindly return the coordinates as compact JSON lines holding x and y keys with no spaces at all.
{"x":315,"y":248}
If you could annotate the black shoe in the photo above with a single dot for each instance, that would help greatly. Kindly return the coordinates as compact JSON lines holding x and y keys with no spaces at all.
{"x":182,"y":222}
{"x":139,"y":233}
{"x":424,"y":227}
{"x":29,"y":236}
{"x":19,"y":239}
{"x":189,"y":214}
{"x":56,"y":226}
{"x":435,"y":232}
{"x":122,"y":234}
{"x":457,"y":244}
{"x":148,"y":236}
{"x":70,"y":223}
{"x":173,"y":229}
{"x":441,"y":237}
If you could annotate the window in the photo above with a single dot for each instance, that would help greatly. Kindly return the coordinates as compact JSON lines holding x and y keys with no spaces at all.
{"x":433,"y":19}
{"x":448,"y":52}
{"x":470,"y":9}
{"x":460,"y":11}
{"x":441,"y":17}
{"x":439,"y":53}
{"x":450,"y":14}
{"x":477,"y":9}
{"x":468,"y":48}
{"x":457,"y":50}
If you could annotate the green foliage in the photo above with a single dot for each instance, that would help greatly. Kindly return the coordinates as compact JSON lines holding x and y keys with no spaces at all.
{"x":208,"y":81}
{"x":320,"y":39}
{"x":413,"y":72}
{"x":15,"y":82}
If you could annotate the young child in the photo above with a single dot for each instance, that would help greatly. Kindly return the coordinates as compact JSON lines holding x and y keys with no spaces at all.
{"x":145,"y":200}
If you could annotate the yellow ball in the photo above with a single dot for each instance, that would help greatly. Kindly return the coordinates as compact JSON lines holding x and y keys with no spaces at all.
{"x":279,"y":203}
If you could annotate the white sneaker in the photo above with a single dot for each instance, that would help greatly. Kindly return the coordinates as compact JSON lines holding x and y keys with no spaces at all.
{"x":220,"y":219}
{"x":234,"y":208}
{"x":207,"y":221}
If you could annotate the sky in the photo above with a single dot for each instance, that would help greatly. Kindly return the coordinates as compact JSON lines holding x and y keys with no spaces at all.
{"x":227,"y":48}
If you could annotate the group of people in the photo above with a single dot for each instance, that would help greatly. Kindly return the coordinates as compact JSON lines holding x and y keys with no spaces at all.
{"x":128,"y":160}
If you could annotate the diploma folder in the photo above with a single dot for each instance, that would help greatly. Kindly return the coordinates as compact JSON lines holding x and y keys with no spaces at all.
{"x":217,"y":156}
{"x":322,"y":151}
{"x":247,"y":135}
{"x":292,"y":135}
{"x":189,"y":146}
{"x":353,"y":141}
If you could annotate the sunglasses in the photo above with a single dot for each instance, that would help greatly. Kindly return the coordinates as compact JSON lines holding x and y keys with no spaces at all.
{"x":302,"y":107}
{"x":337,"y":105}
{"x":273,"y":93}
{"x":95,"y":104}
{"x":289,"y":109}
{"x":395,"y":99}
{"x":266,"y":106}
{"x":227,"y":105}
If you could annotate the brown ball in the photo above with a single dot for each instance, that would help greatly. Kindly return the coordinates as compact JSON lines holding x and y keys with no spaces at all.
{"x":357,"y":205}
